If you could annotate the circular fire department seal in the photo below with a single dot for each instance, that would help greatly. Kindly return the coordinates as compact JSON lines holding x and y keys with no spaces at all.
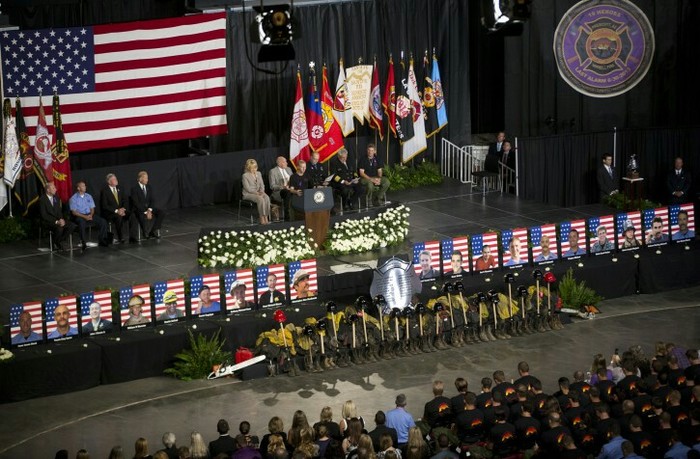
{"x":603,"y":48}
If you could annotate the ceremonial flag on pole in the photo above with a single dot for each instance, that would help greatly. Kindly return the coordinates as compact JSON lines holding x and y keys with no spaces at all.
{"x":404,"y":111}
{"x":42,"y":146}
{"x":334,"y":133}
{"x":13,"y":161}
{"x":342,"y":108}
{"x":375,"y":103}
{"x":59,"y":150}
{"x":314,"y":115}
{"x":27,"y":189}
{"x":389,"y":100}
{"x":299,"y":137}
{"x":428,"y":98}
{"x":124,"y":84}
{"x":3,"y":189}
{"x":439,"y":95}
{"x":418,"y":142}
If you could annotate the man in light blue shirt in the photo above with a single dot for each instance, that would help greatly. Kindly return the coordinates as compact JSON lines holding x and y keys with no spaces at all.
{"x":613,"y":448}
{"x":63,"y":328}
{"x":26,"y":334}
{"x":82,"y":208}
{"x":399,"y":419}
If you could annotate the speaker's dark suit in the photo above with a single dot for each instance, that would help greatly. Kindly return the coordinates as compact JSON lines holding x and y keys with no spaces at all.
{"x":606,"y":183}
{"x":51,"y":212}
{"x":678,"y":182}
{"x":108,"y":206}
{"x":140,"y":203}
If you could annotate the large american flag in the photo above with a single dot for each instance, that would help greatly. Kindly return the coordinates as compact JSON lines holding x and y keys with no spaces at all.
{"x":50,"y":307}
{"x":261,"y":279}
{"x":536,"y":233}
{"x":431,"y":246}
{"x":478,"y":243}
{"x":635,"y":217}
{"x":310,"y":267}
{"x":673,"y":216}
{"x":210,"y":280}
{"x":123,"y":84}
{"x":461,"y":244}
{"x":33,"y":308}
{"x":243,"y":275}
{"x":104,"y":297}
{"x":159,"y":289}
{"x":608,"y":221}
{"x":506,"y":236}
{"x":125,"y":294}
{"x":565,"y":228}
{"x":648,"y":215}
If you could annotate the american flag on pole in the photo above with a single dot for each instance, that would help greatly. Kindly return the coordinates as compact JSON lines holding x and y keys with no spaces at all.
{"x":124,"y":84}
{"x":125,"y":294}
{"x":549,"y":232}
{"x":196,"y":283}
{"x":620,"y":219}
{"x":159,"y":289}
{"x":34,"y":310}
{"x":50,"y":312}
{"x":607,"y":222}
{"x":506,"y":237}
{"x":648,"y":217}
{"x":432,"y":247}
{"x":103,"y":297}
{"x":310,"y":267}
{"x":243,"y":275}
{"x":479,"y":243}
{"x":565,"y":230}
{"x":261,"y":274}
{"x":673,"y":211}
{"x":450,"y":246}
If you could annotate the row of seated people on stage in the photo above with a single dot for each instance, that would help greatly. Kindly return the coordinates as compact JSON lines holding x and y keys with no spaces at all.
{"x":631,"y":407}
{"x":116,"y":208}
{"x":349,"y":184}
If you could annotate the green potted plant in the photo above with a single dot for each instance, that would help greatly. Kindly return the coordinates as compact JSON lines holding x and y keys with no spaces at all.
{"x":199,"y":360}
{"x":576,"y":296}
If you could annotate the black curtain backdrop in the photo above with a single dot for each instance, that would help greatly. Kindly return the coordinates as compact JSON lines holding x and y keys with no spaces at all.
{"x":260,"y":104}
{"x":561,"y":169}
{"x":666,"y":96}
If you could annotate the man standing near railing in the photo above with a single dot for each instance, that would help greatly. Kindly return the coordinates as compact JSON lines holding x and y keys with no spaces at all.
{"x":508,"y":156}
{"x":496,"y":148}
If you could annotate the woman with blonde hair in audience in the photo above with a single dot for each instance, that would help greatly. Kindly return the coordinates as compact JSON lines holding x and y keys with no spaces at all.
{"x":416,"y":447}
{"x":198,"y":449}
{"x":117,"y":452}
{"x":299,"y":421}
{"x":254,"y":190}
{"x":276,"y":428}
{"x":306,"y":442}
{"x":141,"y":449}
{"x":386,"y":444}
{"x":348,"y":412}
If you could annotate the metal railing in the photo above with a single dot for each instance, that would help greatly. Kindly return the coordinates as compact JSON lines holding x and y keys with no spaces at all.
{"x":460,"y":162}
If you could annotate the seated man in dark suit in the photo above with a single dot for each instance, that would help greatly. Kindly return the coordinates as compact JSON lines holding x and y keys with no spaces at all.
{"x":607,"y":182}
{"x":225,"y":443}
{"x":316,"y":171}
{"x":375,"y":435}
{"x":346,"y":181}
{"x":114,"y":206}
{"x":51,"y":211}
{"x":143,"y":206}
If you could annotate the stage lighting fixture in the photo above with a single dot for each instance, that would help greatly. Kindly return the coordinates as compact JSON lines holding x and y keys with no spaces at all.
{"x":274,"y":29}
{"x":505,"y":17}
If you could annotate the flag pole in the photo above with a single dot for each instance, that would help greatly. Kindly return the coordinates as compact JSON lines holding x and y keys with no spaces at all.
{"x":435,"y":135}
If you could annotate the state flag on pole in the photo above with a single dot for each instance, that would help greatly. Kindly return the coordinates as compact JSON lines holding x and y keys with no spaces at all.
{"x":27,"y":189}
{"x":59,"y":150}
{"x":428,"y":98}
{"x":439,"y":95}
{"x":314,"y":117}
{"x":389,"y":99}
{"x":334,"y":133}
{"x":42,"y":146}
{"x":3,"y":189}
{"x":13,"y":160}
{"x":299,"y":136}
{"x":342,"y":108}
{"x":403,"y":109}
{"x":375,"y":104}
{"x":418,"y":142}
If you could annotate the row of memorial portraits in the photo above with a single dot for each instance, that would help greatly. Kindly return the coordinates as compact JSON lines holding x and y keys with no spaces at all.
{"x":481,"y":253}
{"x":91,"y":313}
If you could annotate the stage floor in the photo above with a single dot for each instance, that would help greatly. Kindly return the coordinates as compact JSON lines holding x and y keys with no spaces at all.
{"x":104,"y":416}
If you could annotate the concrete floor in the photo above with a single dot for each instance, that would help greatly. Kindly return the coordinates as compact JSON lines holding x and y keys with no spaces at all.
{"x":104,"y":416}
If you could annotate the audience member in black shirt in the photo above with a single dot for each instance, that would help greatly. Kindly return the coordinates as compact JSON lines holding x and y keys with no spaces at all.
{"x":437,"y":412}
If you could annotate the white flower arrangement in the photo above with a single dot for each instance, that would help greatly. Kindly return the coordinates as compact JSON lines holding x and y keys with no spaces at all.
{"x":361,"y":235}
{"x":5,"y":355}
{"x":246,"y":249}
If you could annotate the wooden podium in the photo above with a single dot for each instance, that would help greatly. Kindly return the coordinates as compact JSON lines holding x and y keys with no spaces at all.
{"x":316,"y":203}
